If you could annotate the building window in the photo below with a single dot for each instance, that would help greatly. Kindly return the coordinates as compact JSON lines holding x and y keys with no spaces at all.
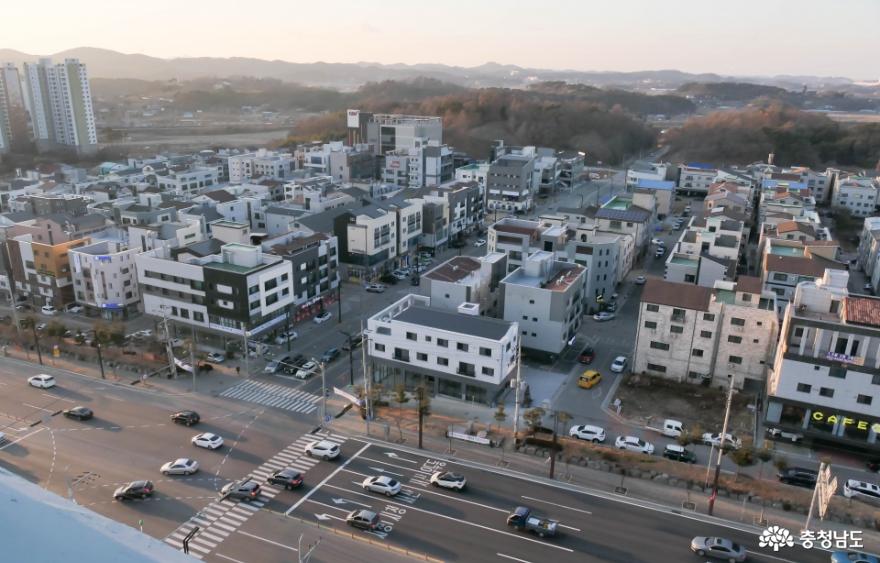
{"x":650,"y":324}
{"x":798,"y":332}
{"x":706,"y":334}
{"x":411,"y":336}
{"x":826,"y":392}
{"x":709,"y":317}
{"x":379,"y":347}
{"x":466,"y":369}
{"x":461,"y":346}
{"x":736,"y":321}
{"x":652,"y":308}
{"x":864,"y":399}
{"x":659,"y":345}
{"x":442,"y":342}
{"x":734,"y":339}
{"x":697,"y":353}
{"x":675,"y":329}
{"x":804,"y":387}
{"x":485,"y":352}
{"x":657,"y":368}
{"x":780,"y":277}
{"x":442,"y":361}
{"x":198,"y":317}
{"x":734,"y":360}
{"x":401,"y":354}
{"x":875,"y":379}
{"x":678,"y":315}
{"x":837,"y":371}
{"x":421,"y":357}
{"x":487,"y":371}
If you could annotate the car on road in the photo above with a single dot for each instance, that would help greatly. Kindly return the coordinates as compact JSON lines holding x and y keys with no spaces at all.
{"x":323,"y":449}
{"x":248,"y":490}
{"x":798,"y":476}
{"x":175,"y":342}
{"x":868,"y":492}
{"x":181,"y":466}
{"x":382,"y":484}
{"x":587,"y":432}
{"x":42,"y":380}
{"x":298,"y":361}
{"x":853,"y":557}
{"x":287,"y":478}
{"x":187,"y":418}
{"x":363,"y":519}
{"x":78,"y":413}
{"x":633,"y":444}
{"x":207,"y":440}
{"x":660,"y":252}
{"x":135,"y":489}
{"x":589,"y":379}
{"x":330,"y":355}
{"x":778,"y":434}
{"x":145,"y":333}
{"x":480,"y":243}
{"x":400,"y":275}
{"x":276,"y":365}
{"x":658,"y":242}
{"x":448,"y":480}
{"x":640,"y":280}
{"x":375,"y":288}
{"x":322,"y":317}
{"x":679,"y":453}
{"x":48,"y":310}
{"x":388,"y":278}
{"x":730,"y":440}
{"x":619,"y":364}
{"x":868,"y":288}
{"x":307,"y":371}
{"x":587,"y":355}
{"x":603,"y":316}
{"x":356,"y":340}
{"x":216,"y":357}
{"x":286,"y":336}
{"x":718,"y":548}
{"x":74,"y":309}
{"x":522,"y":518}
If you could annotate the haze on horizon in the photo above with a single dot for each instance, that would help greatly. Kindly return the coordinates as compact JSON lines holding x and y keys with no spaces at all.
{"x":747,"y":37}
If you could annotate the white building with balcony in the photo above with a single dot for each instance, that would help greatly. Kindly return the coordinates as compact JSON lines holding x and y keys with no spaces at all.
{"x":105,"y":278}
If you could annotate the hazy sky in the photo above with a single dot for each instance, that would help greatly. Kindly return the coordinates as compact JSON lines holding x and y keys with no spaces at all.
{"x":821,"y":37}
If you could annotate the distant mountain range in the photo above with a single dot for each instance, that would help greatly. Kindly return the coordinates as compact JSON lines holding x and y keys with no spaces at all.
{"x":104,"y":63}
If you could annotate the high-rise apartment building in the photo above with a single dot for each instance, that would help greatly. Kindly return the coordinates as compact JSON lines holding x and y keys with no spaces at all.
{"x":13,"y":111}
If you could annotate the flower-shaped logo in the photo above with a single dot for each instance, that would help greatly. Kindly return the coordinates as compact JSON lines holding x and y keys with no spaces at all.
{"x":776,"y":537}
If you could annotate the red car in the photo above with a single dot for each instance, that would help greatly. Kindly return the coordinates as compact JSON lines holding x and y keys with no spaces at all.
{"x":586,"y":356}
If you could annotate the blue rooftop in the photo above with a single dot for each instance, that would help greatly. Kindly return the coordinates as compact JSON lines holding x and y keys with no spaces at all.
{"x":703,"y":165}
{"x":655,"y":184}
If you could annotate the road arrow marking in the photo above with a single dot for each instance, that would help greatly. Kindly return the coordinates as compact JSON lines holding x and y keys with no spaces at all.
{"x":325,"y":516}
{"x":380,"y":470}
{"x":393,"y":455}
{"x":347,"y":501}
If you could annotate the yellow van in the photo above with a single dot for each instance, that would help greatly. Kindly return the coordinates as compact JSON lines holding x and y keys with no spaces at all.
{"x":589,"y":379}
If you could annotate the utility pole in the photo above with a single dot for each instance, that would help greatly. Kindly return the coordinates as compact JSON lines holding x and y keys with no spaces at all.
{"x":36,"y":341}
{"x":517,"y":384}
{"x":351,"y":355}
{"x":247,"y":365}
{"x":323,"y":393}
{"x":367,"y":405}
{"x":721,"y":447}
{"x":420,"y":394}
{"x":553,"y":448}
{"x":100,"y":358}
{"x":287,"y":326}
{"x":339,"y":301}
{"x":192,"y":354}
{"x":168,"y":349}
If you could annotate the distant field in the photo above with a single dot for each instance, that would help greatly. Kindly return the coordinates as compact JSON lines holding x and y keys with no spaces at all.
{"x":852,"y":117}
{"x":190,"y":138}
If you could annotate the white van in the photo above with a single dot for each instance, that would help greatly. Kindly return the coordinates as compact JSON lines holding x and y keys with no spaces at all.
{"x":672,"y":428}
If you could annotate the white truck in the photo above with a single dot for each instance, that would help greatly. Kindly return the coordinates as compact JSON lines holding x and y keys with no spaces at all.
{"x":670,"y":428}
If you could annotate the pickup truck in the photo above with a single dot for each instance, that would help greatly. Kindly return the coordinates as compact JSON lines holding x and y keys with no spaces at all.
{"x":522,"y":518}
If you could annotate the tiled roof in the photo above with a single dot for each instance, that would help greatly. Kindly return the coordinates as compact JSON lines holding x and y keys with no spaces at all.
{"x":790,"y":226}
{"x":454,"y":269}
{"x":794,"y":265}
{"x":863,"y":311}
{"x":220,"y":196}
{"x":633,"y":213}
{"x":749,"y":284}
{"x":673,"y":294}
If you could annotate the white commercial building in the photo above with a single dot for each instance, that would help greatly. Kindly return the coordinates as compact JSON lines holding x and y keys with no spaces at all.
{"x":869,"y":252}
{"x":261,"y":164}
{"x":105,"y":278}
{"x":858,"y":194}
{"x":189,"y":181}
{"x":695,"y":178}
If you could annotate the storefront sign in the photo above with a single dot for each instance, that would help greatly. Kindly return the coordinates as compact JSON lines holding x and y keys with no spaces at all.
{"x":843,"y":358}
{"x":819,"y":416}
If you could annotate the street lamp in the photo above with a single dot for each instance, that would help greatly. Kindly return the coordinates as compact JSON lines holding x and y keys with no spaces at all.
{"x":323,"y":392}
{"x":97,"y":347}
{"x":350,"y":357}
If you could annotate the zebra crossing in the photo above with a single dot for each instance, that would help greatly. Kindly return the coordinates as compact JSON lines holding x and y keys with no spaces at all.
{"x":272,"y":395}
{"x":223,"y":517}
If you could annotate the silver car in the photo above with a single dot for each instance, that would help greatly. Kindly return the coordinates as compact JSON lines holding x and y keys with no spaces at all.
{"x":718,"y":548}
{"x":182,"y":466}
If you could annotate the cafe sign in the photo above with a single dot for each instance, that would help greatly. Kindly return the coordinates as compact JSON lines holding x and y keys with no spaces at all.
{"x":844,"y":359}
{"x":820,"y":416}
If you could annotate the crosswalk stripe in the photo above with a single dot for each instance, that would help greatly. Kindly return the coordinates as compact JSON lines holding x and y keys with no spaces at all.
{"x":237,"y":516}
{"x":213,"y":536}
{"x":197,"y":547}
{"x":225,"y":526}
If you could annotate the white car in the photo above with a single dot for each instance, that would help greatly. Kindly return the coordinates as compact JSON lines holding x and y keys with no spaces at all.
{"x":381,"y":484}
{"x":323,"y":449}
{"x":634,"y":444}
{"x":285,"y":337}
{"x":861,"y":490}
{"x":711,"y":439}
{"x":43,"y":381}
{"x":216,"y":357}
{"x":587,"y":432}
{"x":323,"y":317}
{"x":176,"y":342}
{"x":307,"y":370}
{"x":640,"y":280}
{"x":619,"y":364}
{"x":400,"y":274}
{"x":207,"y":440}
{"x":603,"y":316}
{"x":658,"y":242}
{"x":49,"y":310}
{"x":448,"y":480}
{"x":75,"y":309}
{"x":146,"y":333}
{"x":480,"y":243}
{"x":182,"y":466}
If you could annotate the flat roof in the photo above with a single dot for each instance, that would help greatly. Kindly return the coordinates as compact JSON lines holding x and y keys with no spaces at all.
{"x":481,"y":327}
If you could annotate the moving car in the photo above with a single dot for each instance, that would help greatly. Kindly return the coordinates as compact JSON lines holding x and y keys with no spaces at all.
{"x":718,"y":548}
{"x":587,"y":432}
{"x":381,"y":484}
{"x":247,"y":489}
{"x":448,"y":480}
{"x":74,"y":309}
{"x":135,"y":489}
{"x":207,"y":440}
{"x":587,"y":355}
{"x":322,"y":317}
{"x":363,"y":519}
{"x":187,"y":418}
{"x":43,"y":381}
{"x":853,"y":557}
{"x":730,"y":440}
{"x":78,"y":413}
{"x":660,"y":252}
{"x":522,"y":518}
{"x":679,"y":453}
{"x":49,"y":310}
{"x":589,"y":379}
{"x":798,"y":476}
{"x":640,"y":280}
{"x":276,"y":365}
{"x":287,"y":478}
{"x":182,"y":466}
{"x":216,"y":357}
{"x":480,"y":243}
{"x":658,"y":242}
{"x":868,"y":492}
{"x":603,"y":316}
{"x":634,"y":444}
{"x":307,"y":370}
{"x":176,"y":342}
{"x":323,"y":449}
{"x":375,"y":288}
{"x":286,"y":337}
{"x":330,"y":355}
{"x":619,"y":364}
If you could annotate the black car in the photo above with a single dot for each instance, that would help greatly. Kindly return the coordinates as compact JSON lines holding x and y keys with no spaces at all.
{"x":355,"y":341}
{"x":187,"y":418}
{"x":241,"y":490}
{"x":330,"y":355}
{"x":135,"y":489}
{"x":79,"y":413}
{"x":388,"y":278}
{"x":679,"y":453}
{"x":364,"y":519}
{"x":287,"y":478}
{"x":799,"y":476}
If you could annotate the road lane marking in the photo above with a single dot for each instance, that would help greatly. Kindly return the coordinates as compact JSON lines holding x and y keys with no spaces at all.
{"x":22,"y":438}
{"x":228,"y":558}
{"x":326,"y":479}
{"x":762,"y":554}
{"x":393,"y":455}
{"x":268,"y":541}
{"x":512,"y":558}
{"x":36,"y":407}
{"x":460,"y":521}
{"x":559,"y":505}
{"x":58,"y":398}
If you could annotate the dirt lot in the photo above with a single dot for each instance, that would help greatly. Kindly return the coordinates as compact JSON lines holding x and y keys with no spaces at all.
{"x":647,"y":400}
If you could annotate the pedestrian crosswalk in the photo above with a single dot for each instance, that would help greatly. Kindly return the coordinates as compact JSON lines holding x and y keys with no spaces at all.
{"x":272,"y":395}
{"x":223,"y":517}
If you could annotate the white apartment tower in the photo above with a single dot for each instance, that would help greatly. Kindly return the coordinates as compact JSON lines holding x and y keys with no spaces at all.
{"x":13,"y":111}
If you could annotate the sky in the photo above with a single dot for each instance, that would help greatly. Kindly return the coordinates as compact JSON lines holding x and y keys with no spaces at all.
{"x":732,"y":37}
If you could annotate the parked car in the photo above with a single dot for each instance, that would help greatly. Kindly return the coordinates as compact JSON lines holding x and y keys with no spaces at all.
{"x":181,"y":466}
{"x":868,"y":492}
{"x":658,"y":242}
{"x":274,"y":366}
{"x":43,"y":381}
{"x":400,"y":275}
{"x":603,"y":316}
{"x":216,"y":357}
{"x":78,"y":413}
{"x":176,"y":342}
{"x":382,"y":484}
{"x":448,"y":480}
{"x":287,"y":478}
{"x":307,"y":371}
{"x":778,"y":434}
{"x":330,"y":355}
{"x":587,"y":432}
{"x":41,"y":326}
{"x":207,"y":440}
{"x":611,"y":307}
{"x":375,"y":288}
{"x":363,"y":519}
{"x":619,"y":364}
{"x":298,"y":361}
{"x":74,"y":309}
{"x":868,"y":288}
{"x":286,"y":337}
{"x":480,"y":243}
{"x":679,"y":453}
{"x":323,"y":449}
{"x":587,"y":355}
{"x":135,"y":489}
{"x":356,"y":340}
{"x":48,"y":310}
{"x":589,"y":379}
{"x":730,"y":440}
{"x":640,"y":280}
{"x":660,"y":252}
{"x":187,"y":418}
{"x":853,"y":557}
{"x":522,"y":518}
{"x":798,"y":476}
{"x":634,"y":444}
{"x":388,"y":278}
{"x":322,"y":317}
{"x":718,"y":548}
{"x":247,"y":489}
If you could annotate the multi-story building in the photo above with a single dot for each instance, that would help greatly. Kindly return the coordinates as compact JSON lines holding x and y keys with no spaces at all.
{"x":14,"y":132}
{"x":476,"y":172}
{"x":60,"y":103}
{"x":628,"y":216}
{"x":462,"y":202}
{"x":105,"y":278}
{"x":647,"y":171}
{"x":706,"y":335}
{"x":187,"y":181}
{"x":545,"y":296}
{"x":512,"y":183}
{"x":455,"y":354}
{"x":727,"y":195}
{"x":260,"y":164}
{"x":395,"y":132}
{"x":824,"y":380}
{"x":786,"y":263}
{"x":695,"y":178}
{"x":465,"y":279}
{"x":858,"y":194}
{"x":315,"y":262}
{"x":869,"y":252}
